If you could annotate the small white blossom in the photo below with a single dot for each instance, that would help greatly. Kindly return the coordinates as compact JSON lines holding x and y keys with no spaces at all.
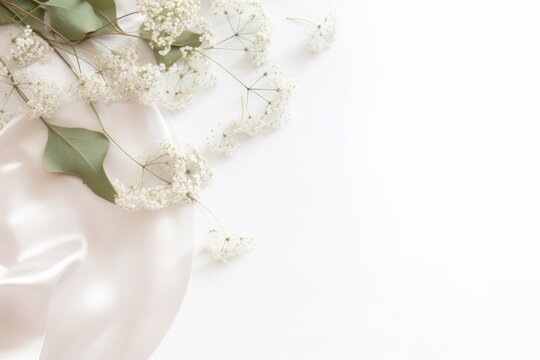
{"x":184,"y":78}
{"x":119,"y":67}
{"x":324,"y":35}
{"x":275,"y":89}
{"x":176,"y":99}
{"x":253,"y":31}
{"x":5,"y":118}
{"x":92,"y":87}
{"x":222,"y":141}
{"x":167,"y":19}
{"x":248,"y":124}
{"x":27,"y":47}
{"x":125,"y":79}
{"x":134,"y":198}
{"x":201,"y":26}
{"x":119,"y":60}
{"x":226,"y":247}
{"x":180,"y":168}
{"x":172,"y":87}
{"x":44,"y":96}
{"x":195,"y":172}
{"x":258,"y":50}
{"x":146,"y":80}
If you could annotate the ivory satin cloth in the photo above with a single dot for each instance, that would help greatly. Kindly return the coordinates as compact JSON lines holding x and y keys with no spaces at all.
{"x":81,"y":279}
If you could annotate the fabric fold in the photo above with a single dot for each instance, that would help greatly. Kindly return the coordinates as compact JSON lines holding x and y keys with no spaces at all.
{"x":79,"y":277}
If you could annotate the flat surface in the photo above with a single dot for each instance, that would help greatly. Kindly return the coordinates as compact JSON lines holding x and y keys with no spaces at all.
{"x":397,"y":215}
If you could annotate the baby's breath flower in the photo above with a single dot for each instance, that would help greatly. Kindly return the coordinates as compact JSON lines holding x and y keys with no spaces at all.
{"x":118,"y":60}
{"x":182,"y":170}
{"x":146,"y":80}
{"x":92,"y":87}
{"x":201,"y":26}
{"x":324,"y":35}
{"x":167,"y":19}
{"x":194,"y":173}
{"x":222,"y":141}
{"x":125,"y":78}
{"x":183,"y":79}
{"x":248,"y":125}
{"x":172,"y":87}
{"x":27,"y":47}
{"x":254,"y":30}
{"x":5,"y":118}
{"x":277,"y":110}
{"x":118,"y":68}
{"x":276,"y":89}
{"x":226,"y":247}
{"x":44,"y":96}
{"x":258,"y":50}
{"x":147,"y":76}
{"x":134,"y":198}
{"x":176,"y":99}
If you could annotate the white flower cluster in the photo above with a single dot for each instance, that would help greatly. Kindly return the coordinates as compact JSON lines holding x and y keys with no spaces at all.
{"x":201,"y":26}
{"x":226,"y":247}
{"x":183,"y":79}
{"x":183,"y":172}
{"x":123,"y":58}
{"x":92,"y":87}
{"x":324,"y":35}
{"x":27,"y":47}
{"x":147,"y":80}
{"x":167,"y":19}
{"x":44,"y":96}
{"x":276,"y":90}
{"x":222,"y":141}
{"x":117,"y":68}
{"x":119,"y":77}
{"x":253,"y":30}
{"x":5,"y":118}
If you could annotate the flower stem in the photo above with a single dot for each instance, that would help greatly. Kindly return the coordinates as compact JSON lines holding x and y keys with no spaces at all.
{"x":248,"y":88}
{"x":302,"y":20}
{"x":208,"y":211}
{"x":224,"y":68}
{"x":112,"y":23}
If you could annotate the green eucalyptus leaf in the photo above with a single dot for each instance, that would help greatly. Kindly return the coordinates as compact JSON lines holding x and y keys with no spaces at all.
{"x":79,"y":152}
{"x":75,"y":21}
{"x":105,"y":8}
{"x":21,"y":11}
{"x":77,"y":18}
{"x":57,"y":3}
{"x":188,"y":38}
{"x":6,"y":16}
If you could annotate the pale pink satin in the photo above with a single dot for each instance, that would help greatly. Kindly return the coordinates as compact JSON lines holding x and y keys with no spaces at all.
{"x":79,"y":277}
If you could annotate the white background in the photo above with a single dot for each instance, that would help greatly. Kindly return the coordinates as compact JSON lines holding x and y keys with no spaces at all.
{"x":397,"y":214}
